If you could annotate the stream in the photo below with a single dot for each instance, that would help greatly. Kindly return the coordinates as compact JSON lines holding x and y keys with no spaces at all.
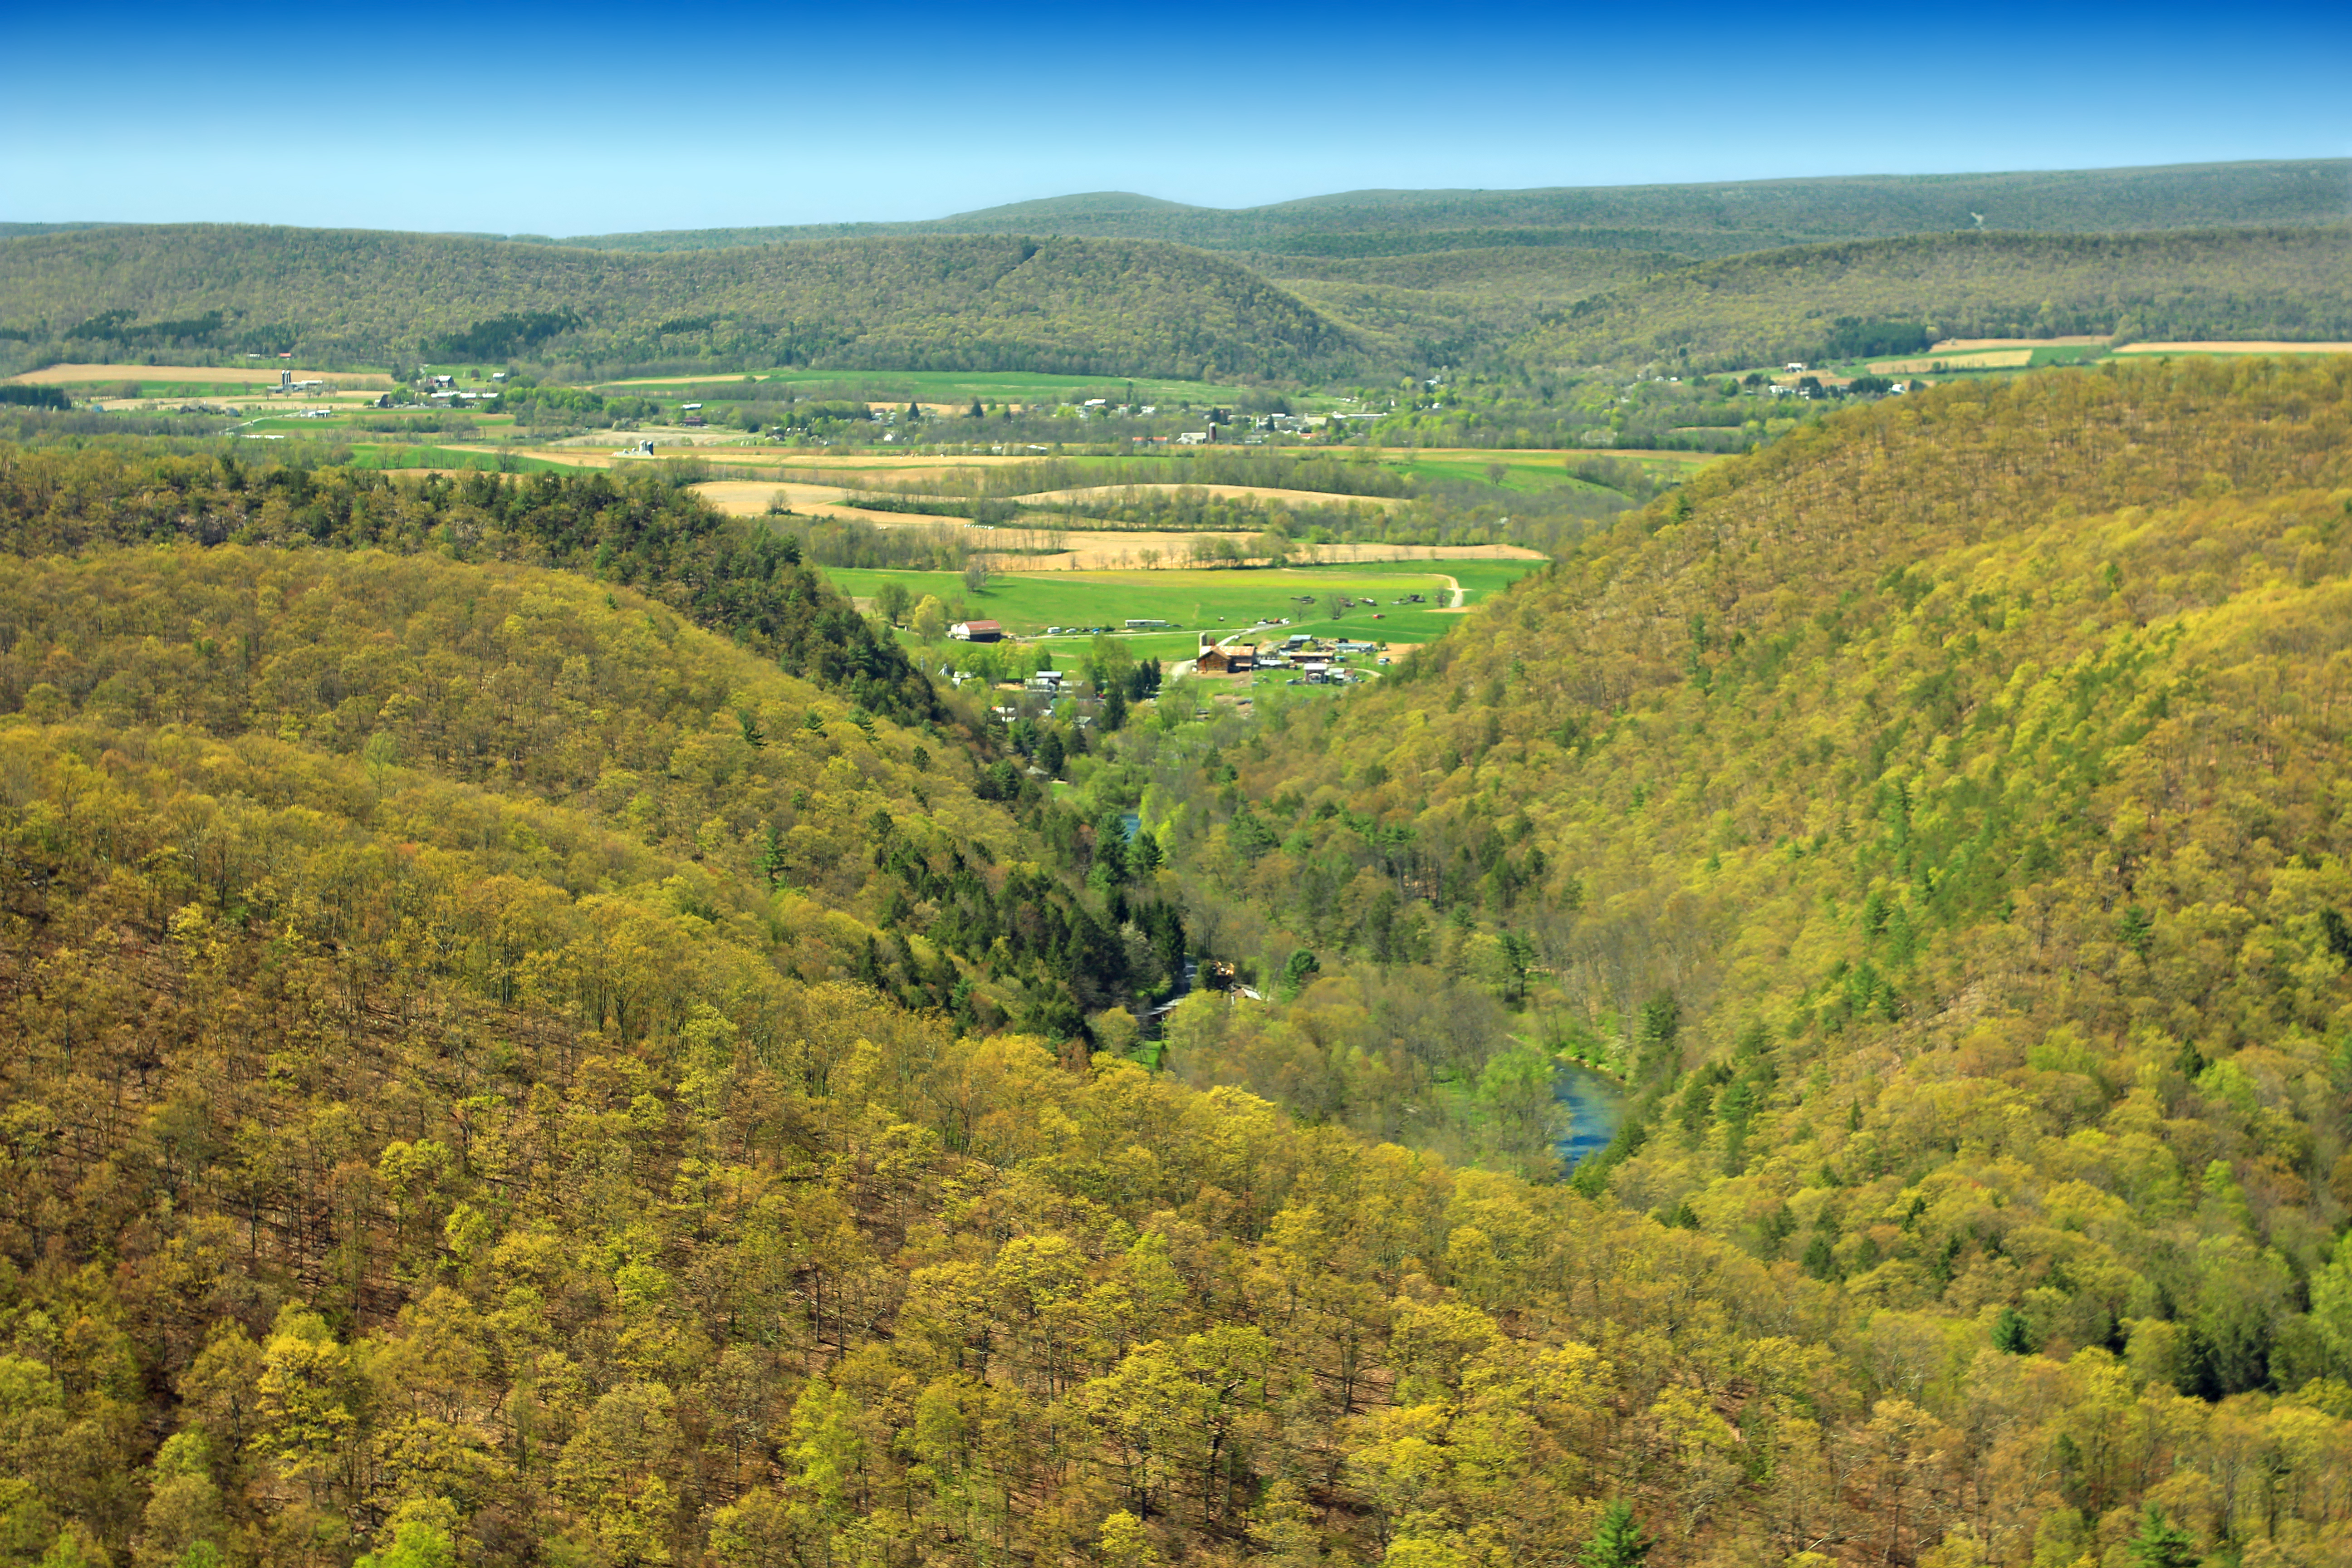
{"x":1595,"y":1106}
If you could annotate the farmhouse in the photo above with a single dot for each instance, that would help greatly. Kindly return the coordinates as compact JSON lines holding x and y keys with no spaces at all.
{"x":976,"y":631}
{"x":1227,"y":660}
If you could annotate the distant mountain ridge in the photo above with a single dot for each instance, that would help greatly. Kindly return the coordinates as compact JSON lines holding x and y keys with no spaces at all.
{"x":1085,"y":306}
{"x":1710,"y":219}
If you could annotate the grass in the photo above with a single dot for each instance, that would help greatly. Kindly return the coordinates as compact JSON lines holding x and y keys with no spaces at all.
{"x":1219,"y":602}
{"x":392,"y":456}
{"x":1538,"y":470}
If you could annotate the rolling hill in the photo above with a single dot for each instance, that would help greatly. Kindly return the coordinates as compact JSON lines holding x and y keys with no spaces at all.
{"x":1936,"y":820}
{"x":2198,"y":284}
{"x":1090,"y":306}
{"x":1696,"y":220}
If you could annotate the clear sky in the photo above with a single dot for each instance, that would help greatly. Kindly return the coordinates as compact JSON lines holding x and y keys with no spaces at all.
{"x":599,"y":118}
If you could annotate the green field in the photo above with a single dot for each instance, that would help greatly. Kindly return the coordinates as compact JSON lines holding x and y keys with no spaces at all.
{"x":1534,"y":470}
{"x":1218,"y":601}
{"x":959,"y":386}
{"x":368,"y":454}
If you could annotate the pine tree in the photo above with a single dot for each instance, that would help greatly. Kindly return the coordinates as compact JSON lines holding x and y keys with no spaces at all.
{"x":1619,"y":1542}
{"x":2162,"y":1545}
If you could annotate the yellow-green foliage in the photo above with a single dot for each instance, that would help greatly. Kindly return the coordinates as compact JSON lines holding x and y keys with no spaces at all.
{"x":532,"y":686}
{"x":418,"y":1140}
{"x":1940,"y":818}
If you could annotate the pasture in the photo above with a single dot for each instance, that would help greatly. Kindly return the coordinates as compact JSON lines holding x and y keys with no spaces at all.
{"x":1528,"y":469}
{"x":2236,"y":348}
{"x":1221,"y":602}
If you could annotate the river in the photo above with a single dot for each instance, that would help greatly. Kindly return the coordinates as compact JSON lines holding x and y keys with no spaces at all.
{"x":1595,"y":1106}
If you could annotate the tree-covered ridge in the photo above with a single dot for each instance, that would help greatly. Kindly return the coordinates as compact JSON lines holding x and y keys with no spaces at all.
{"x":1106,"y":306}
{"x":640,"y":532}
{"x":2259,"y":284}
{"x":1937,"y":820}
{"x":542,"y":687}
{"x":395,"y":1164}
{"x":1706,"y":219}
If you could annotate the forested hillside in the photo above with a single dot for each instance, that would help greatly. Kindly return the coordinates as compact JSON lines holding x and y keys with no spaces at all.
{"x":1107,"y":307}
{"x":508,"y":1069}
{"x":2259,"y":284}
{"x":1937,"y":820}
{"x":1716,"y":219}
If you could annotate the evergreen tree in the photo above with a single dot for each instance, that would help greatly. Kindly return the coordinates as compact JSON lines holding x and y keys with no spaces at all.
{"x":2160,"y":1544}
{"x":1619,"y":1541}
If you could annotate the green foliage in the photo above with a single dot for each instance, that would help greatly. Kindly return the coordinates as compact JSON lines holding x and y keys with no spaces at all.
{"x":641,"y":531}
{"x":1764,"y":309}
{"x":1617,"y":1542}
{"x":2162,"y":1545}
{"x":1077,"y":306}
{"x":1891,"y":762}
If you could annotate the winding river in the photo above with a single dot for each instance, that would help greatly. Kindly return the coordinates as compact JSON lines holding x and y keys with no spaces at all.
{"x":1595,"y":1106}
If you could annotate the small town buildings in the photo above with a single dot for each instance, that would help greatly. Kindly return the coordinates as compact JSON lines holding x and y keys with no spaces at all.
{"x":976,"y":631}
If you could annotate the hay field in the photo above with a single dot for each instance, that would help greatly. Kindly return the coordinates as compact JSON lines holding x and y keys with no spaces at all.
{"x":1989,"y":359}
{"x":212,"y":374}
{"x":2236,"y":348}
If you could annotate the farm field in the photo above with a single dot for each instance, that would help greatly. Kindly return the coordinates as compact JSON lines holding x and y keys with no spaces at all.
{"x":1970,"y":345}
{"x":1268,"y":492}
{"x":423,"y":459}
{"x":1530,"y":468}
{"x":243,"y":378}
{"x":1218,"y":601}
{"x":1987,"y":359}
{"x":2236,"y":348}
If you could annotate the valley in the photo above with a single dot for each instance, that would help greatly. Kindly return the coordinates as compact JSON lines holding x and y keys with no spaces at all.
{"x":1654,"y":875}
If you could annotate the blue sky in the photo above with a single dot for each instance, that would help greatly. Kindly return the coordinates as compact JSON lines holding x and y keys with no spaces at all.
{"x":600,"y":117}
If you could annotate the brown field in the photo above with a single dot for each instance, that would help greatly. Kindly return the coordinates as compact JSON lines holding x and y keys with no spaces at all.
{"x":1296,"y":498}
{"x":1967,"y":345}
{"x":1989,"y":359}
{"x":752,"y":498}
{"x":214,"y":375}
{"x":1080,"y":550}
{"x":2235,"y":348}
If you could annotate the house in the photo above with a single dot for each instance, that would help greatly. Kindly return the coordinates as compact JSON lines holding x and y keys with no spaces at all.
{"x":1192,"y":438}
{"x":976,"y":631}
{"x":1227,"y":660}
{"x":1046,"y":680}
